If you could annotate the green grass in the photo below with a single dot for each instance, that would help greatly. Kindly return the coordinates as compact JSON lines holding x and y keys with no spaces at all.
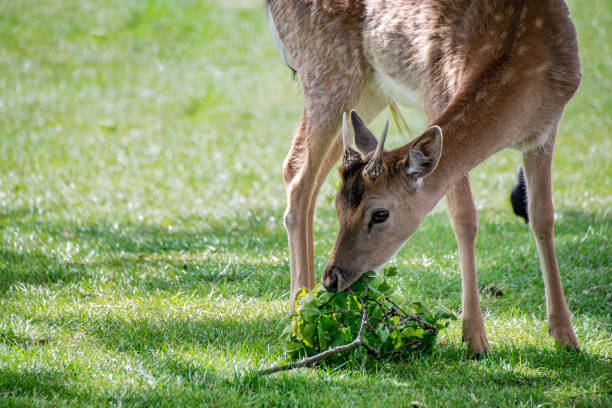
{"x":143,"y":259}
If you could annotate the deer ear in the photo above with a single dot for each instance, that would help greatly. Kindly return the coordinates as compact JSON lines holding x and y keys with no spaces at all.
{"x":364,"y":139}
{"x":424,"y":154}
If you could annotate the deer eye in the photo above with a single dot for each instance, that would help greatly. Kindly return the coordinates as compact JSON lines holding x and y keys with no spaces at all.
{"x":380,"y":216}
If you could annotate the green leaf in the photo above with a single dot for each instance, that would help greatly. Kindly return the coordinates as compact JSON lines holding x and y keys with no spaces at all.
{"x":325,"y":298}
{"x":383,"y":332}
{"x":338,"y":340}
{"x":340,"y":300}
{"x":413,"y":333}
{"x":354,"y":303}
{"x":443,"y":314}
{"x":390,"y":271}
{"x":322,"y":335}
{"x":358,"y":287}
{"x":307,"y":331}
{"x":287,"y":333}
{"x":378,"y":283}
{"x":295,"y":352}
{"x":327,"y":324}
{"x":310,"y":312}
{"x":360,"y":355}
{"x":384,"y":286}
{"x":300,"y":293}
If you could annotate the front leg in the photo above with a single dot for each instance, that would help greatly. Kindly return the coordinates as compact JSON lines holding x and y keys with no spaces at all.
{"x":316,"y":149}
{"x":301,"y":168}
{"x":464,"y":219}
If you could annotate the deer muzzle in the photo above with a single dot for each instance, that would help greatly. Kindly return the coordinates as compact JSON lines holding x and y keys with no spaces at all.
{"x":335,"y":279}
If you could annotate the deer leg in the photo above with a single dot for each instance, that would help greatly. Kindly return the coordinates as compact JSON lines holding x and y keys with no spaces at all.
{"x":368,"y":107}
{"x":332,"y":157}
{"x":464,"y":219}
{"x":301,"y":168}
{"x":537,"y":166}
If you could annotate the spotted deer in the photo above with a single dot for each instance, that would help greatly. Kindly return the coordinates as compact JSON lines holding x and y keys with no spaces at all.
{"x":489,"y":75}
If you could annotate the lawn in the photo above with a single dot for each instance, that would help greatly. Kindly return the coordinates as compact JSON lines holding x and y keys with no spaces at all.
{"x":143,"y":260}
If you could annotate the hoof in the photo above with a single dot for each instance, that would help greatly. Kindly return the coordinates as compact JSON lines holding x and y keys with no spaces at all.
{"x":478,"y":356}
{"x":478,"y":349}
{"x":476,"y":338}
{"x":563,"y":334}
{"x":568,"y":348}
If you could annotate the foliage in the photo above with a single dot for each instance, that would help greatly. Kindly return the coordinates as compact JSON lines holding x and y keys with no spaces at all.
{"x":325,"y":320}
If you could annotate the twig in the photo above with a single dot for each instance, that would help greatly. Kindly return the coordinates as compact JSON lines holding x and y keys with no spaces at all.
{"x":384,"y":313}
{"x":308,"y":361}
{"x":416,"y":319}
{"x":334,"y":311}
{"x":407,"y":317}
{"x":396,"y":306}
{"x":364,"y":321}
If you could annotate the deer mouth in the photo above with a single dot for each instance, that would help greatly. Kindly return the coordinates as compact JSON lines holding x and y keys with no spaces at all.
{"x":336,"y":279}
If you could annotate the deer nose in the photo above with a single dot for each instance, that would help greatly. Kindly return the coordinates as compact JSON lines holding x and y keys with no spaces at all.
{"x":330,"y":279}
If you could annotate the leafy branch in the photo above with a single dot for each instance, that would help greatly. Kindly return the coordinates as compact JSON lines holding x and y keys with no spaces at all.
{"x":352,"y":325}
{"x":309,"y":361}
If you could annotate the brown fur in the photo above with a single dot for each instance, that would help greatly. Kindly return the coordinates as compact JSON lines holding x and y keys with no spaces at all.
{"x":490,"y":74}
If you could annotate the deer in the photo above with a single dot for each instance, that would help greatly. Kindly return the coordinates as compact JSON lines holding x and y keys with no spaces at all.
{"x":488,"y":74}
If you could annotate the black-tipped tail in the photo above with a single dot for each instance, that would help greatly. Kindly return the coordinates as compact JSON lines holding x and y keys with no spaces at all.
{"x":518,"y":197}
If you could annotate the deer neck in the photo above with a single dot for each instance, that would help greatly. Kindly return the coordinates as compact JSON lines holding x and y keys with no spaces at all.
{"x":467,"y":143}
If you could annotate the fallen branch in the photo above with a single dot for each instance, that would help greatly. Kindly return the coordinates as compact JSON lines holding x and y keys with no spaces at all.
{"x":309,"y":361}
{"x":383,"y":324}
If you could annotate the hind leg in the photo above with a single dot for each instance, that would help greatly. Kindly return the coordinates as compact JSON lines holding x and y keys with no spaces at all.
{"x":542,"y":218}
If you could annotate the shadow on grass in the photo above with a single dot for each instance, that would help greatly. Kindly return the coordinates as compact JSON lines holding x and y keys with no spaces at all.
{"x":144,"y":334}
{"x":32,"y":386}
{"x":38,"y":268}
{"x":520,"y":374}
{"x":446,"y":378}
{"x":249,"y":233}
{"x":584,"y":253}
{"x":247,"y":254}
{"x":511,"y":374}
{"x":192,"y":253}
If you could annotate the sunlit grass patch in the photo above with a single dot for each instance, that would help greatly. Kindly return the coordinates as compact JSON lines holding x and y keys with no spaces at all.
{"x":143,"y":260}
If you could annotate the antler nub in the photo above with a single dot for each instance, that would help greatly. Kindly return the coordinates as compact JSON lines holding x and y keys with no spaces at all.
{"x":350,"y":155}
{"x":376,"y":165}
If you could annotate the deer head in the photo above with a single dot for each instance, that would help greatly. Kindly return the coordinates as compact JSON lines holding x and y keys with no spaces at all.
{"x":380,"y":202}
